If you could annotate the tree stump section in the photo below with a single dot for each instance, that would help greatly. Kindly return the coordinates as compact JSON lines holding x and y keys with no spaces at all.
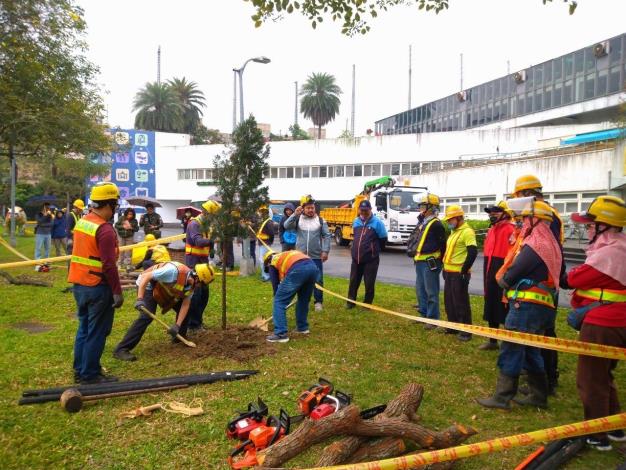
{"x":379,"y":449}
{"x":24,"y":281}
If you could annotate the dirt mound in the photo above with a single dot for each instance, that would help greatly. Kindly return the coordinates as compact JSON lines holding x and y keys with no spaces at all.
{"x":241,"y":343}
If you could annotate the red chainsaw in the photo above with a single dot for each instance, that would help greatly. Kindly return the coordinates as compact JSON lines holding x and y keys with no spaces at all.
{"x":241,"y":426}
{"x":259,"y":438}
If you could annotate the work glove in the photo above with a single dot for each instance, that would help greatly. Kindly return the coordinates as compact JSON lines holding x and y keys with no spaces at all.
{"x":118,"y":300}
{"x":140,"y":303}
{"x":173,"y":330}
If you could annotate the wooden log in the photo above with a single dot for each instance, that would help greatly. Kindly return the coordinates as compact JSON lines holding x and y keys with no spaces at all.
{"x":308,"y":434}
{"x":404,"y":405}
{"x":379,"y":449}
{"x":21,"y":281}
{"x":422,"y":436}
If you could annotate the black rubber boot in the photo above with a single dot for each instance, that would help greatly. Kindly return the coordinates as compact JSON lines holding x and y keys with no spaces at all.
{"x":538,"y":392}
{"x":506,"y":388}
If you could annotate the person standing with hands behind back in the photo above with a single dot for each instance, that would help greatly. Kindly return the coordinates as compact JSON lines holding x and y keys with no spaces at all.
{"x":312,"y":239}
{"x":97,"y":288}
{"x":151,"y":221}
{"x":126,"y":227}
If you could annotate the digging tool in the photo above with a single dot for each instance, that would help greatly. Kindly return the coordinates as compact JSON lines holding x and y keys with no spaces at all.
{"x":72,"y":400}
{"x":260,"y":323}
{"x":180,"y":338}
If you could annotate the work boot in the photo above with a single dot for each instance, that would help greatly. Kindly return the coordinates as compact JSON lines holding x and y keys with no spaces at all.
{"x":489,"y":346}
{"x":506,"y":387}
{"x":99,"y":379}
{"x":538,"y":391}
{"x":124,"y":355}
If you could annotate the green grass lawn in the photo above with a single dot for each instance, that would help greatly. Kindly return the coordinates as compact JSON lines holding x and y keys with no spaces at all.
{"x":369,"y":355}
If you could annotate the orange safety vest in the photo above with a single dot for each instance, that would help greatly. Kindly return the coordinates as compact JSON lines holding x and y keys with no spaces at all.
{"x":193,"y":249}
{"x":285,"y":260}
{"x":85,"y":264}
{"x":168,"y":294}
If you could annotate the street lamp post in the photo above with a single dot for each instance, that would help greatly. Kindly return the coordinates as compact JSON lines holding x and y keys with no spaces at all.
{"x":239,"y":73}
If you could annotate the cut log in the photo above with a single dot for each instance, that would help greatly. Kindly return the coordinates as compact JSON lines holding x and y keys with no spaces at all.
{"x":23,"y":281}
{"x":379,"y":449}
{"x":308,"y":434}
{"x":404,"y":405}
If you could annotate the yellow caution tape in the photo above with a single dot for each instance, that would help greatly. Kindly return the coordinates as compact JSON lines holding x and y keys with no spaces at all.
{"x":4,"y":243}
{"x":609,"y":423}
{"x":56,"y":259}
{"x":527,"y":339}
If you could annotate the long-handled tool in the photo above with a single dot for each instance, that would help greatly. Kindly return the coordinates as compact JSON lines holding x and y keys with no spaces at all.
{"x":183,"y":340}
{"x":72,"y":400}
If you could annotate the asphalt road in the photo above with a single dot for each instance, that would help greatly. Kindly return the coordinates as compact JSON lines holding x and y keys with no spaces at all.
{"x":395,"y":267}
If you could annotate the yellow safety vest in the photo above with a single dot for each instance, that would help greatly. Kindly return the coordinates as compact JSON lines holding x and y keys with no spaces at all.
{"x":603,"y":295}
{"x":418,"y":253}
{"x":451,"y":244}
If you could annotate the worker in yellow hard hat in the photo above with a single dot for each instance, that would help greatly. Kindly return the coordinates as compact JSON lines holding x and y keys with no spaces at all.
{"x":530,"y":278}
{"x":427,"y":246}
{"x":169,"y":285}
{"x":144,"y":257}
{"x":97,"y":288}
{"x":530,"y":186}
{"x":599,"y":303}
{"x":461,"y":252}
{"x":198,"y":247}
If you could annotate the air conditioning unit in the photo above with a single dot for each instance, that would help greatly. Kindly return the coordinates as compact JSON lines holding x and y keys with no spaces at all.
{"x":461,"y":96}
{"x":520,"y":77}
{"x":601,"y":49}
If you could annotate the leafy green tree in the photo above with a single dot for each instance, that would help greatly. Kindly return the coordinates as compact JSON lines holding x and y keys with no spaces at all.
{"x":320,"y":99}
{"x":297,"y":133}
{"x":158,"y":109}
{"x":240,"y":174}
{"x":192,"y":101}
{"x":355,"y":14}
{"x":203,"y":136}
{"x":345,"y":134}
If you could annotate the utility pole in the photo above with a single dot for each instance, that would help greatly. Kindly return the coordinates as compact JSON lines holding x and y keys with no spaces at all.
{"x":461,"y":72}
{"x":234,"y":99}
{"x":12,"y":240}
{"x":353,"y":98}
{"x":159,"y":65}
{"x":295,"y":116}
{"x":508,"y":67}
{"x":410,"y":72}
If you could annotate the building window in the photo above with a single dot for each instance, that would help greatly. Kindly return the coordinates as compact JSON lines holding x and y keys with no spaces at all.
{"x":406,"y":169}
{"x":290,"y":172}
{"x":323,"y":172}
{"x":306,"y":172}
{"x":601,"y":82}
{"x":568,"y":62}
{"x":315,"y":172}
{"x":614,"y":79}
{"x":589,"y":85}
{"x":529,"y":102}
{"x":349,"y":170}
{"x":339,"y":171}
{"x":557,"y":68}
{"x":358,"y":170}
{"x":579,"y":61}
{"x":298,"y":172}
{"x":376,"y":170}
{"x":556,"y":96}
{"x":567,"y":91}
{"x":615,"y":50}
{"x":367,"y":170}
{"x":386,"y":169}
{"x":274,"y":172}
{"x":590,"y":60}
{"x":415,"y":168}
{"x":547,"y":98}
{"x":282,"y":172}
{"x":181,"y":174}
{"x":395,"y":169}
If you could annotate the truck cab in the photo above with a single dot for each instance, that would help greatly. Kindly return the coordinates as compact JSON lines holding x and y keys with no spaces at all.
{"x":397,"y":207}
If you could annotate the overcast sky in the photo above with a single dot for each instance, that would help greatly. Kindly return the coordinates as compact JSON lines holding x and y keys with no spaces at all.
{"x":203,"y":40}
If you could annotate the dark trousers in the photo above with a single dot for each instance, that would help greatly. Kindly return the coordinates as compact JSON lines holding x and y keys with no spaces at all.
{"x":551,"y":361}
{"x":95,"y":320}
{"x":199,"y":301}
{"x":594,"y":377}
{"x":141,"y":324}
{"x":366,"y":271}
{"x":318,"y":295}
{"x":456,"y":298}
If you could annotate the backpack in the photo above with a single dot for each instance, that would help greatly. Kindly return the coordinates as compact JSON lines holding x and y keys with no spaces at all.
{"x":413,"y":242}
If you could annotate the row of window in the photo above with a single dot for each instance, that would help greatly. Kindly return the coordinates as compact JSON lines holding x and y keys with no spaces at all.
{"x":574,"y":77}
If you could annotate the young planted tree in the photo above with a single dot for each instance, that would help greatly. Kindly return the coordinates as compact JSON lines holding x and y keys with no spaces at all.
{"x":320,"y":99}
{"x":240,"y":173}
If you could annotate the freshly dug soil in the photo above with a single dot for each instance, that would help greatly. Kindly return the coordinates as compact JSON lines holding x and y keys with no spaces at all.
{"x":32,"y":327}
{"x":241,"y":343}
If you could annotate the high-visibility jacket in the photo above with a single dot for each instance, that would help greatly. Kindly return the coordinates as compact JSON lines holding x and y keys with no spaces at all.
{"x":167,"y":294}
{"x":191,"y":249}
{"x":285,"y":260}
{"x":456,"y":249}
{"x":419,"y":256}
{"x":260,"y":233}
{"x":85,"y":264}
{"x":603,"y":295}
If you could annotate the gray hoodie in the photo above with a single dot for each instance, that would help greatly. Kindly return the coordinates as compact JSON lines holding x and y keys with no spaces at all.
{"x":313,"y":237}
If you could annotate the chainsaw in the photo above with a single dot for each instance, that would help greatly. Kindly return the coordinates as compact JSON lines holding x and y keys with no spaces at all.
{"x":314,"y":395}
{"x":259,"y":438}
{"x":241,"y":426}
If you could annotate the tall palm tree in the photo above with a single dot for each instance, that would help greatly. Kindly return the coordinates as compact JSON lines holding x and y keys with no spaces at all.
{"x":192,"y":101}
{"x":320,"y":99}
{"x":158,"y":108}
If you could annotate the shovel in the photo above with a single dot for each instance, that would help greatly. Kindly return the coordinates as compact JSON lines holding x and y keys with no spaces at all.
{"x":185,"y":341}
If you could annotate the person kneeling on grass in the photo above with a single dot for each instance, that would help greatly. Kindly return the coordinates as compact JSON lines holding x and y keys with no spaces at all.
{"x":291,"y":273}
{"x":169,"y":285}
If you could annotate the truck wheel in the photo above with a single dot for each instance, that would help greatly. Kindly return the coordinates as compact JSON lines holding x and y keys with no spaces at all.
{"x":339,"y":240}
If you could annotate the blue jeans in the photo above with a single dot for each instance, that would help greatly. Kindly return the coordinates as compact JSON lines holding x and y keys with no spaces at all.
{"x":95,"y":320}
{"x":525,"y":317}
{"x":318,"y":295}
{"x":262,"y":250}
{"x":198,"y":303}
{"x":299,"y":280}
{"x":42,"y":241}
{"x":427,"y":289}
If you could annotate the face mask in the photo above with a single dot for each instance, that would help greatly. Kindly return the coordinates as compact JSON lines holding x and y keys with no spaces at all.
{"x":493,"y":219}
{"x":452,"y":225}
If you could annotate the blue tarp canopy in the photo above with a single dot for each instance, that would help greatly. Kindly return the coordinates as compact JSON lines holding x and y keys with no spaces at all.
{"x":594,"y":136}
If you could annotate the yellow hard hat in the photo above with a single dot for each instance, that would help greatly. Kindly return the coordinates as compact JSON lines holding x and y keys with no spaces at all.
{"x":527,"y":182}
{"x":148,"y":238}
{"x":268,"y":254}
{"x":79,"y":204}
{"x":205,"y":273}
{"x":609,"y":210}
{"x":263,"y":207}
{"x":307,"y":199}
{"x":104,"y":192}
{"x":430,"y":199}
{"x":538,"y":209}
{"x":453,"y":211}
{"x":211,"y":206}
